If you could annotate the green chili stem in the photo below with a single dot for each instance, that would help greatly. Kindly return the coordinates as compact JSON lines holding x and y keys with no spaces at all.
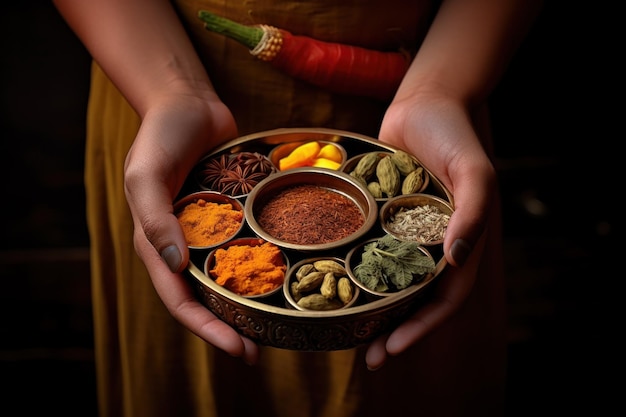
{"x":249,"y":36}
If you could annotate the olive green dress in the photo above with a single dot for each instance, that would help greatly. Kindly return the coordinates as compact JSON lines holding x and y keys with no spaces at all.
{"x":149,"y":365}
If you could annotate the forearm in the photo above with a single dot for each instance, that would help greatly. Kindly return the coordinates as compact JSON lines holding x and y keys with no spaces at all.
{"x":141,"y":46}
{"x":469,"y":46}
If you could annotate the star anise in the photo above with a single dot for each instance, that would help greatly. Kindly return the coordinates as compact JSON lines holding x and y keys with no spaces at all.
{"x":256,"y":162}
{"x":233,"y":174}
{"x":240,"y":180}
{"x":210,"y":171}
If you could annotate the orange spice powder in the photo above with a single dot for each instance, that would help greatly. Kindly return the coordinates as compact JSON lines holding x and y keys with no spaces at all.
{"x":249,"y":270}
{"x":206,"y":223}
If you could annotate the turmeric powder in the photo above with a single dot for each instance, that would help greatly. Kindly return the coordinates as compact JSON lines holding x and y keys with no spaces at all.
{"x":206,"y":223}
{"x":248,"y":269}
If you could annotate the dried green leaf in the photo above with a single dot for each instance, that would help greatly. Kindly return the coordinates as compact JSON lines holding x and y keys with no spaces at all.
{"x":370,"y":273}
{"x":389,"y":264}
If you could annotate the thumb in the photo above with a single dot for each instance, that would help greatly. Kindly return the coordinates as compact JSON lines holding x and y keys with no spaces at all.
{"x":174,"y":253}
{"x":155,"y":220}
{"x":473,"y":198}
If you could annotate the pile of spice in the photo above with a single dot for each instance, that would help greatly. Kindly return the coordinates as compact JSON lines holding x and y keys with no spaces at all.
{"x":390,"y":265}
{"x":309,"y":215}
{"x":205,"y":223}
{"x":387,"y":175}
{"x":249,"y":269}
{"x":423,"y":224}
{"x":321,"y":285}
{"x":312,"y":154}
{"x":234,"y":175}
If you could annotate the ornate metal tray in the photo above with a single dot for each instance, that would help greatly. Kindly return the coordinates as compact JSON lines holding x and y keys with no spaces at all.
{"x":271,"y":322}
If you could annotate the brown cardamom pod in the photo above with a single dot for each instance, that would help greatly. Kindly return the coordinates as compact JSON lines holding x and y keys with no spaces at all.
{"x":328,"y":265}
{"x":345,"y":292}
{"x":317,"y":301}
{"x":374,"y":188}
{"x":404,"y":162}
{"x":311,"y":282}
{"x":304,"y":270}
{"x":388,"y":177}
{"x":329,"y":286}
{"x":366,"y":166}
{"x":413,"y":182}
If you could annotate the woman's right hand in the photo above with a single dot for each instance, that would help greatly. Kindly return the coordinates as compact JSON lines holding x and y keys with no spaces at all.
{"x":143,"y":48}
{"x":174,"y":134}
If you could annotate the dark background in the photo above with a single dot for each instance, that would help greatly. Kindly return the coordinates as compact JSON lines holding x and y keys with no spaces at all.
{"x":555,"y":120}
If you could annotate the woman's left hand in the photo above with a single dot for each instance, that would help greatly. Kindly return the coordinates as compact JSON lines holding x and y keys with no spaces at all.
{"x":441,"y":133}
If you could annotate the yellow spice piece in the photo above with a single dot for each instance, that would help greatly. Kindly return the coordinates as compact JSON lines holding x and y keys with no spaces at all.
{"x":331,"y":152}
{"x":326,"y":163}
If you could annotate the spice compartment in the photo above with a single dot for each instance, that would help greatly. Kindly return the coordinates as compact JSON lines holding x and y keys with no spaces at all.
{"x":417,"y":217}
{"x":355,"y":258}
{"x":320,"y":153}
{"x":209,"y":218}
{"x":337,"y":291}
{"x":413,"y":178}
{"x":233,"y":174}
{"x":264,"y":267}
{"x":310,"y":209}
{"x":270,"y":321}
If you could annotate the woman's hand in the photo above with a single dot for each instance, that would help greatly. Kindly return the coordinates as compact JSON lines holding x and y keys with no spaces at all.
{"x":144,"y":49}
{"x":174,"y":134}
{"x":441,"y":133}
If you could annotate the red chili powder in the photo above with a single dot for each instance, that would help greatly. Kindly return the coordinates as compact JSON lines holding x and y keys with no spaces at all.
{"x":309,"y":214}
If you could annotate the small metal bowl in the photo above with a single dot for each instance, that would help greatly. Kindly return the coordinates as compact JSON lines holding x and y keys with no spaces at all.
{"x":291,"y":278}
{"x":329,"y":180}
{"x":281,"y":151}
{"x":211,"y":197}
{"x":418,"y":231}
{"x":227,"y":173}
{"x":353,"y":258}
{"x":351,"y":164}
{"x":209,"y":264}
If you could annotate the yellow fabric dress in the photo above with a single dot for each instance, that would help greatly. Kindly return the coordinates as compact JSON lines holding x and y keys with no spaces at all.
{"x":149,"y":365}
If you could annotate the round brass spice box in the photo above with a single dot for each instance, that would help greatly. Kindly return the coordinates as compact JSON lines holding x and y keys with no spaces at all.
{"x":271,"y":320}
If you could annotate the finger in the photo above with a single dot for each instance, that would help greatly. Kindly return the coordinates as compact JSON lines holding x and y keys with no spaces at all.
{"x":451,"y":290}
{"x":180,"y":300}
{"x":376,"y":354}
{"x":474,"y":191}
{"x":251,"y":353}
{"x":150,"y":189}
{"x":161,"y":228}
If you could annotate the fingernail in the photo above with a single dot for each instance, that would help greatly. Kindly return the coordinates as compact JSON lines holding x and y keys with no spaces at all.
{"x":172,"y":257}
{"x":460,"y":251}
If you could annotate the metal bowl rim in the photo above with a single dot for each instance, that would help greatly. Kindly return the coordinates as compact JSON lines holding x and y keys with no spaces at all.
{"x":370,"y":218}
{"x":213,"y":197}
{"x":293,"y":269}
{"x":383,"y":212}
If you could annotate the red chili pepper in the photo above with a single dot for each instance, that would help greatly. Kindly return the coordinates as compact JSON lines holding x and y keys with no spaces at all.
{"x":337,"y":67}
